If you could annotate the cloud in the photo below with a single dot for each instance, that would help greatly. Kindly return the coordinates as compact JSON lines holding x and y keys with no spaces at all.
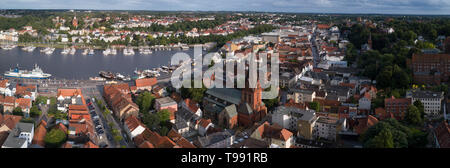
{"x":304,"y":6}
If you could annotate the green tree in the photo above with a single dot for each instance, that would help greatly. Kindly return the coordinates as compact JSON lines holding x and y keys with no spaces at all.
{"x":421,"y":108}
{"x":34,"y":111}
{"x":18,"y":111}
{"x":413,"y":116}
{"x":152,"y":121}
{"x":55,"y":138}
{"x":145,"y":101}
{"x":163,"y":115}
{"x":315,"y":106}
{"x":383,"y":139}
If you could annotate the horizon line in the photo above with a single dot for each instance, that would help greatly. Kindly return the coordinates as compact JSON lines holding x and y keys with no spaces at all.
{"x":234,"y":11}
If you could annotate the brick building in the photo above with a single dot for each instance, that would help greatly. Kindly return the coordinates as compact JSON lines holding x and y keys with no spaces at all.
{"x":397,"y":107}
{"x":430,"y":68}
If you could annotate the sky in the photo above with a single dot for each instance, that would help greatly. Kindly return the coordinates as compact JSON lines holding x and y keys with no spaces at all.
{"x":296,"y":6}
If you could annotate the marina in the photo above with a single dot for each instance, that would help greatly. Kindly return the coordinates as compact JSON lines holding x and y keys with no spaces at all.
{"x":83,"y":67}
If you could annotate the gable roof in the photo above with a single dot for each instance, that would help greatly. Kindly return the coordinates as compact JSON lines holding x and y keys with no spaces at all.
{"x":273,"y":131}
{"x":365,"y":123}
{"x":132,"y":123}
{"x":39,"y":135}
{"x":145,"y":82}
{"x":231,"y":110}
{"x":191,"y":104}
{"x":23,"y":103}
{"x":10,"y":121}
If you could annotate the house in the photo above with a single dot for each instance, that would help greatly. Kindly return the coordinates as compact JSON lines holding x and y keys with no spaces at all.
{"x":364,"y":123}
{"x":119,"y":98}
{"x":4,"y":84}
{"x":26,"y":91}
{"x":222,"y":139}
{"x":203,"y":125}
{"x":365,"y":102}
{"x":24,"y":104}
{"x":296,"y":120}
{"x":179,"y":140}
{"x":274,"y":135}
{"x":8,"y":122}
{"x":192,"y":106}
{"x":169,"y":104}
{"x":329,"y":127}
{"x":397,"y":107}
{"x":145,"y":83}
{"x":303,"y":95}
{"x":20,"y":137}
{"x":441,"y":135}
{"x":430,"y":100}
{"x":133,"y":126}
{"x":160,"y":91}
{"x":8,"y":102}
{"x":66,"y":97}
{"x":228,"y":118}
{"x":185,"y":122}
{"x":39,"y":135}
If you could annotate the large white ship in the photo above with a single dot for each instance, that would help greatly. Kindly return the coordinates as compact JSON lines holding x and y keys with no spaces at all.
{"x":36,"y":73}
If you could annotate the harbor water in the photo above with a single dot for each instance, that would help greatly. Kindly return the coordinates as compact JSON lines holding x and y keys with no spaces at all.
{"x":79,"y":66}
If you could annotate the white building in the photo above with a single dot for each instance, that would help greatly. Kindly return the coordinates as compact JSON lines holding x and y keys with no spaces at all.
{"x":133,"y":127}
{"x":20,"y":137}
{"x":288,"y":117}
{"x":430,"y":100}
{"x":328,"y":128}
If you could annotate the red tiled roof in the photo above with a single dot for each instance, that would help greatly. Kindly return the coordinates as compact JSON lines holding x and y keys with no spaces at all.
{"x":204,"y":122}
{"x":145,"y":82}
{"x":23,"y":103}
{"x":365,"y":123}
{"x":89,"y":144}
{"x":132,"y":123}
{"x":443,"y":135}
{"x":191,"y":104}
{"x":10,"y":121}
{"x":39,"y":135}
{"x":3,"y":83}
{"x":146,"y":144}
{"x":273,"y":131}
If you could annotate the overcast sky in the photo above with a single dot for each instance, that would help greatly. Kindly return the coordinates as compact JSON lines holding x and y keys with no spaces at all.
{"x":301,"y":6}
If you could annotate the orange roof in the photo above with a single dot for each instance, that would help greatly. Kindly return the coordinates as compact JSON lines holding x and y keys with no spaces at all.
{"x":204,"y":122}
{"x":273,"y":131}
{"x":61,"y":127}
{"x":3,"y":83}
{"x":89,"y":144}
{"x":365,"y":123}
{"x":132,"y":123}
{"x":145,"y":82}
{"x":10,"y":120}
{"x":9,"y":100}
{"x":39,"y":135}
{"x":146,"y":144}
{"x":23,"y":103}
{"x":25,"y":90}
{"x":69,"y":92}
{"x":192,"y":104}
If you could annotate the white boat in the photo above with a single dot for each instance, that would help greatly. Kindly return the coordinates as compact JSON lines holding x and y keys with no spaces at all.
{"x":65,"y":51}
{"x":85,"y":52}
{"x":97,"y":78}
{"x":45,"y":49}
{"x":36,"y":73}
{"x":128,"y":51}
{"x":114,"y":51}
{"x":107,"y":51}
{"x":50,"y":51}
{"x":72,"y":51}
{"x":91,"y":51}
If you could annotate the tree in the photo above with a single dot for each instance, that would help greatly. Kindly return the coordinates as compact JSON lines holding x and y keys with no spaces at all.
{"x":55,"y":138}
{"x":34,"y":111}
{"x":164,"y":130}
{"x":413,"y":116}
{"x":145,"y":101}
{"x":271,"y":103}
{"x":152,"y":121}
{"x":18,"y":111}
{"x":315,"y":106}
{"x":163,"y":115}
{"x":382,"y":140}
{"x":421,"y":108}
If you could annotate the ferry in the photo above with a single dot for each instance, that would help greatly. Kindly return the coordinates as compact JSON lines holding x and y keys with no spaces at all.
{"x":36,"y":73}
